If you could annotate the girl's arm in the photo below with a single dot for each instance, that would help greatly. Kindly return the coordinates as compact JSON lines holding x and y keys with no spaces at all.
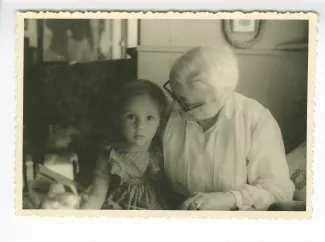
{"x":168,"y":197}
{"x":99,"y":187}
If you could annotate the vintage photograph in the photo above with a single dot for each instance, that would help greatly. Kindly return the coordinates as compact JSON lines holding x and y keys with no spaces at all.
{"x":165,"y":113}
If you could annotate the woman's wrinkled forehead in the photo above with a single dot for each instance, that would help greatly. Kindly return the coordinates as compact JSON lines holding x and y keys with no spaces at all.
{"x":197,"y":86}
{"x":205,"y":64}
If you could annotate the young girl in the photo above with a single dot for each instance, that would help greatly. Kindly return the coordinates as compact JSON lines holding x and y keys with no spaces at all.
{"x":129,"y":172}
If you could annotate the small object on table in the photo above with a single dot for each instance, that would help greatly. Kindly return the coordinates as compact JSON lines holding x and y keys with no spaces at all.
{"x":58,"y":198}
{"x":49,"y":186}
{"x":53,"y":177}
{"x":63,"y":162}
{"x":29,"y":168}
{"x":55,"y":189}
{"x":63,"y":200}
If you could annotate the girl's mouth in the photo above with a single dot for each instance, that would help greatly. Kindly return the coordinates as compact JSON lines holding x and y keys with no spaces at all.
{"x":139,"y":136}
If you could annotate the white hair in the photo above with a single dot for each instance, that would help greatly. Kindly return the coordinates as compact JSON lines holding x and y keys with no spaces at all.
{"x":216,"y":66}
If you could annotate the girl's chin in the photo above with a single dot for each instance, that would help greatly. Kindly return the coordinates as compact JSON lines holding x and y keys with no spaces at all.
{"x":138,"y":142}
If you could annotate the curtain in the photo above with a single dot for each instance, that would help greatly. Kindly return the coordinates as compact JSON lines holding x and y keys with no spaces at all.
{"x":117,"y":35}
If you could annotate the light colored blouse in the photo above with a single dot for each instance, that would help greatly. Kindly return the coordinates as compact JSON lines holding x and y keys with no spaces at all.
{"x":243,"y":152}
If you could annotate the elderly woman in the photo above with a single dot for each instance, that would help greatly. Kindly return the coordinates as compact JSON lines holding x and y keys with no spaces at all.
{"x":222,"y":150}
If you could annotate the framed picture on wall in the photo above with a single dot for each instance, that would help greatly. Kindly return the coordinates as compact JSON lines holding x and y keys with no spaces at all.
{"x":82,"y":40}
{"x":70,"y":40}
{"x":85,"y":40}
{"x":243,"y":25}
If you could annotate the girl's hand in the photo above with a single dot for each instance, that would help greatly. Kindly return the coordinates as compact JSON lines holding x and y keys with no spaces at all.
{"x":219,"y":201}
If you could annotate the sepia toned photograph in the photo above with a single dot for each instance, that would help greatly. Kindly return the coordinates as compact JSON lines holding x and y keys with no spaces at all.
{"x":165,"y":114}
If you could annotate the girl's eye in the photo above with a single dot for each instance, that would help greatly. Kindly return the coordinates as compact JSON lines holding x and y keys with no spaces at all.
{"x":130,"y":117}
{"x":151,"y":118}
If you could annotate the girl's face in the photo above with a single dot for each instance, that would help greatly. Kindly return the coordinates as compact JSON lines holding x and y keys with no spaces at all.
{"x":139,"y":120}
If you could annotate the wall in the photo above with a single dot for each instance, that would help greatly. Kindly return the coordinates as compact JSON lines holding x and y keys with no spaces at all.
{"x":195,"y":32}
{"x":276,"y":78}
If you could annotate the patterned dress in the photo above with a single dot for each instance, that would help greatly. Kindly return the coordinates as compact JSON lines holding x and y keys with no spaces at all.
{"x":137,"y":179}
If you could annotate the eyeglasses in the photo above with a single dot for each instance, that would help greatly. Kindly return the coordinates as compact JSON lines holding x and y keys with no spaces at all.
{"x":185,"y":107}
{"x":167,"y":88}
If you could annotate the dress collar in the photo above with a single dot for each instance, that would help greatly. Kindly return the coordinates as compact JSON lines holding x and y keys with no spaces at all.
{"x":126,"y":148}
{"x":229,"y":108}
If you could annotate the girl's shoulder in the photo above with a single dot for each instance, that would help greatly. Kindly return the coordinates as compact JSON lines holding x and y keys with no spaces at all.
{"x":105,"y":149}
{"x":103,"y":164}
{"x":113,"y":161}
{"x":109,"y":153}
{"x":103,"y":145}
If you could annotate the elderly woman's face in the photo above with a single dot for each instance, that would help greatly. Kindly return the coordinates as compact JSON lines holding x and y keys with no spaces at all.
{"x":193,"y":94}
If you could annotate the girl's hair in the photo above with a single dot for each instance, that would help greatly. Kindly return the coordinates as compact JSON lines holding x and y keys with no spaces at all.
{"x":139,"y":87}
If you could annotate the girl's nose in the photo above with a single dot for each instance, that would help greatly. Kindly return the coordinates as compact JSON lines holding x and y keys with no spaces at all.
{"x":140,"y":124}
